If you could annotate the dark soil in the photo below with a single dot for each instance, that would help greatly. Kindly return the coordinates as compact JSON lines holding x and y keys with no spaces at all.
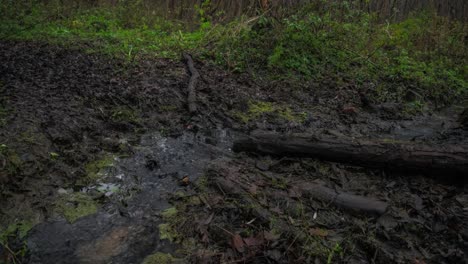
{"x":61,"y":110}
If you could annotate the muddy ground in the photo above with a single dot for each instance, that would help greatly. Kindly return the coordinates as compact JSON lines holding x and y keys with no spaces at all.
{"x":102,"y":163}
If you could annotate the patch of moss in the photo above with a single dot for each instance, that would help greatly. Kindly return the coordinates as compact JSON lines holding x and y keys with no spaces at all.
{"x":169,"y":213}
{"x":11,"y":160}
{"x":167,"y":232}
{"x":75,"y":206}
{"x":31,"y":137}
{"x":162,"y":258}
{"x":168,"y":108}
{"x":125,"y":114}
{"x":94,"y":169}
{"x":19,"y":229}
{"x":259,"y":108}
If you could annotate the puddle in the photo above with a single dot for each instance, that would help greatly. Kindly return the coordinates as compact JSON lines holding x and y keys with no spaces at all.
{"x":136,"y":190}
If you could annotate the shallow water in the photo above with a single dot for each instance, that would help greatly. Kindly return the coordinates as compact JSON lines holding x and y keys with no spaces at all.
{"x":137,"y":188}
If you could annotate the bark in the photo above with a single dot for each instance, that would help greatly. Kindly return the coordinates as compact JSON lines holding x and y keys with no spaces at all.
{"x":395,"y":155}
{"x":192,"y":95}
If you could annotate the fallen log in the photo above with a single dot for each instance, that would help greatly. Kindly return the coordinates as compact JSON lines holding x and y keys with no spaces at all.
{"x":344,"y":200}
{"x":314,"y":190}
{"x":194,"y":75}
{"x":386,"y":154}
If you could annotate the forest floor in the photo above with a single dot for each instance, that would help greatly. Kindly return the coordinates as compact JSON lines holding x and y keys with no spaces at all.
{"x":102,"y":163}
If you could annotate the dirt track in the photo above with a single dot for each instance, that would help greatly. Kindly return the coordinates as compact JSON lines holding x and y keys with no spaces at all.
{"x":66,"y":109}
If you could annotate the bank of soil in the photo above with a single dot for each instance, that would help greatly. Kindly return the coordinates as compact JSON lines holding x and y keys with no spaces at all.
{"x":101,"y":162}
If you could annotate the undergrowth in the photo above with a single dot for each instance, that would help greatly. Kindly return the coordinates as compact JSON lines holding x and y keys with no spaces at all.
{"x":420,"y":59}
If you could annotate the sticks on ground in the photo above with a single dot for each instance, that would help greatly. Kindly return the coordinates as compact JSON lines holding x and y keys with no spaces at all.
{"x":192,"y":96}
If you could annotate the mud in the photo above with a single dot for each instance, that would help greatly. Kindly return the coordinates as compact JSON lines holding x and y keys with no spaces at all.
{"x":121,"y":136}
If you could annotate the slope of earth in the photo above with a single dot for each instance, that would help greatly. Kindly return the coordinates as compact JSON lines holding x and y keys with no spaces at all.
{"x":101,"y":162}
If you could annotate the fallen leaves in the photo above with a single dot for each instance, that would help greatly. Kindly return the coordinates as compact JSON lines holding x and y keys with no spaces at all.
{"x":237,"y":243}
{"x":318,"y":232}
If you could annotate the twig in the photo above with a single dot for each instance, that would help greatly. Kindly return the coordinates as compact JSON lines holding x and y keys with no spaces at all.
{"x":192,"y":96}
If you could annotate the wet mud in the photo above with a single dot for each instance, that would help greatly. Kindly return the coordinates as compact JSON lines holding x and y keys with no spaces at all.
{"x":95,"y":151}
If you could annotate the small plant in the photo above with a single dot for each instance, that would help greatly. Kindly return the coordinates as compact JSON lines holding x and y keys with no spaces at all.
{"x":54,"y":155}
{"x":15,"y":231}
{"x":337,"y":250}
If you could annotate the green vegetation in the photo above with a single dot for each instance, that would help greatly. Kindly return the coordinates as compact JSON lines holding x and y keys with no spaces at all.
{"x":10,"y":160}
{"x":421,"y":58}
{"x":14,"y":231}
{"x":95,"y":169}
{"x":258,"y":109}
{"x":166,"y":230}
{"x":125,"y":114}
{"x":161,"y":258}
{"x":75,"y":206}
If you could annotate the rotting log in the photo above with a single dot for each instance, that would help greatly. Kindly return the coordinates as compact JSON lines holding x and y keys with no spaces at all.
{"x":194,"y":75}
{"x":317,"y":191}
{"x":341,"y":199}
{"x":443,"y":159}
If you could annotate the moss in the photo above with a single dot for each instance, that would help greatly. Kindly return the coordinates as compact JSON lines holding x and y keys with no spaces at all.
{"x":167,"y":232}
{"x":75,"y":206}
{"x":11,"y":160}
{"x":125,"y":114}
{"x":259,"y":108}
{"x":168,"y":108}
{"x":19,"y":229}
{"x":169,"y":213}
{"x":162,"y":258}
{"x":94,"y":169}
{"x":32,"y":137}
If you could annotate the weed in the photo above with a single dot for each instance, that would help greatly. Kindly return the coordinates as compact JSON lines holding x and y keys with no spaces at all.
{"x":54,"y":155}
{"x":336,"y":250}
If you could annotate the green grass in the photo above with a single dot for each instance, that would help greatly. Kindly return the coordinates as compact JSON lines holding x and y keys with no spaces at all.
{"x":422,"y":58}
{"x":106,"y":33}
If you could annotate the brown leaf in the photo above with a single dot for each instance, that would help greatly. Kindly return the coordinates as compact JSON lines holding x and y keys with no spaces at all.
{"x":238,"y":243}
{"x":270,"y":236}
{"x":318,"y":232}
{"x":277,"y":210}
{"x":253,"y":189}
{"x":253,"y":241}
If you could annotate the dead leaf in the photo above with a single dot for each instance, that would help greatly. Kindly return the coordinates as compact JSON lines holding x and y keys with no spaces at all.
{"x":277,"y":210}
{"x":204,"y":233}
{"x":270,"y":236}
{"x":238,"y":243}
{"x":185,"y":181}
{"x":318,"y":232}
{"x":253,"y":241}
{"x":253,"y":189}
